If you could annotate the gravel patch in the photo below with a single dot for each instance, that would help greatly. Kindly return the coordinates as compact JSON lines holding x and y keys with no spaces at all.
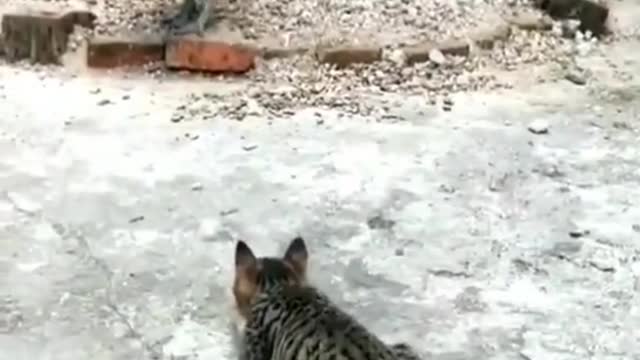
{"x":392,"y":24}
{"x":305,"y":22}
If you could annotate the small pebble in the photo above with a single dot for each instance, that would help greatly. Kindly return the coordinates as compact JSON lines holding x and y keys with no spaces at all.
{"x":208,"y":229}
{"x":229,"y":212}
{"x":498,"y":183}
{"x":136,"y":219}
{"x":552,"y":171}
{"x":437,"y":57}
{"x":621,"y":125}
{"x":576,"y":78}
{"x":538,"y":127}
{"x":578,"y":233}
{"x":449,"y":189}
{"x":379,"y":222}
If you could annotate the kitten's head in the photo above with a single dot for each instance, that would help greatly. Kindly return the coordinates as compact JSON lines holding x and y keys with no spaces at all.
{"x":256,"y":274}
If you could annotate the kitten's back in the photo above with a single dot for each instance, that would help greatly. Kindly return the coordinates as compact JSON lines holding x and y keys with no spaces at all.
{"x":286,"y":319}
{"x":304,"y":324}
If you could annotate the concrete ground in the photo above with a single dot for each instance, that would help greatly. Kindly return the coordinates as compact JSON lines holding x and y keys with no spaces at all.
{"x":462,"y":232}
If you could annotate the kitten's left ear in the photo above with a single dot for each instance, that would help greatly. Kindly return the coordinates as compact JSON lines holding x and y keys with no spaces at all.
{"x":296,"y":255}
{"x":245,"y":284}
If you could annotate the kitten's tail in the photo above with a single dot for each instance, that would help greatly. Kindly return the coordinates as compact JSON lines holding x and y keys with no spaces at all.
{"x":404,"y":351}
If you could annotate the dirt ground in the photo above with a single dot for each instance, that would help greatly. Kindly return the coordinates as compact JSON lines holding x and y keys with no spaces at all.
{"x":506,"y":228}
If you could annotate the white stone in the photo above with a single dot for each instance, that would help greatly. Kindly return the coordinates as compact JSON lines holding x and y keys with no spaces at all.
{"x":539,"y":126}
{"x":437,"y":57}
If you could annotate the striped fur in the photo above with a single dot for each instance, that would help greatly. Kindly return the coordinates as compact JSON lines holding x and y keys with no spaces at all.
{"x":287,"y":319}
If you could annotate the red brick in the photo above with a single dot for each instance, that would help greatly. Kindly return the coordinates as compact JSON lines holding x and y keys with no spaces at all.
{"x":115,"y":52}
{"x":343,"y":56}
{"x":40,"y":36}
{"x":217,"y":56}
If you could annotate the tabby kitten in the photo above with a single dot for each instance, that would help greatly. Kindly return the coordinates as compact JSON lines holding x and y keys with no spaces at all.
{"x":287,"y":319}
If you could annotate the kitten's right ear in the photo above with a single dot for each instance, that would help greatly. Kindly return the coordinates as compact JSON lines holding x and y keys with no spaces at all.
{"x":297,"y":256}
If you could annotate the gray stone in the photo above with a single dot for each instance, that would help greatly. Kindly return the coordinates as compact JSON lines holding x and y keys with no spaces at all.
{"x":343,"y":56}
{"x":576,"y":78}
{"x":379,"y":222}
{"x":538,"y":127}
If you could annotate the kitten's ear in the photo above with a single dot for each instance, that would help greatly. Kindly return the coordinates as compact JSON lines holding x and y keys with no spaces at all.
{"x":245,"y":285}
{"x":244,"y":256}
{"x":297,"y":256}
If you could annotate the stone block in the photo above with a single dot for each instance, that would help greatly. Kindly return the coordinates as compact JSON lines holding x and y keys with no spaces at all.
{"x":454,"y":46}
{"x":40,"y":36}
{"x":343,"y":56}
{"x":530,"y":21}
{"x":269,"y":53}
{"x":486,"y":37}
{"x":418,"y":53}
{"x":107,"y":53}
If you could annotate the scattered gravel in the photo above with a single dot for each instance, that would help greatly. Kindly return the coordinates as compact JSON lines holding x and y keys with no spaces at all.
{"x":302,"y":82}
{"x":312,"y":22}
{"x":307,"y":84}
{"x":532,"y":47}
{"x":336,"y":21}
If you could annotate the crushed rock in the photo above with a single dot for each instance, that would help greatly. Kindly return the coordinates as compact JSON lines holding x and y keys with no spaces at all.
{"x":303,"y":82}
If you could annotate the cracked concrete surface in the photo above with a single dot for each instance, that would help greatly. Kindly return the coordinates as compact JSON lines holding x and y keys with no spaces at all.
{"x":460,"y":232}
